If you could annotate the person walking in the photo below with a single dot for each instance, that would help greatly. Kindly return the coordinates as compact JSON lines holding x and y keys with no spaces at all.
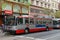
{"x":3,"y":26}
{"x":47,"y":26}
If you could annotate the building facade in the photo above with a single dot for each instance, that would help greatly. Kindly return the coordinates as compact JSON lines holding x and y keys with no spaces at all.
{"x":13,"y":8}
{"x":46,"y":6}
{"x":50,"y":4}
{"x":59,"y":6}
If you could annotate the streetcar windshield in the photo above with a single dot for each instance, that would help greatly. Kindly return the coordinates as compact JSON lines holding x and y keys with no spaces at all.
{"x":56,"y":22}
{"x":10,"y":21}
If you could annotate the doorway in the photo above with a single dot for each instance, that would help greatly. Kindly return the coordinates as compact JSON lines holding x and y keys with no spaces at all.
{"x":1,"y":21}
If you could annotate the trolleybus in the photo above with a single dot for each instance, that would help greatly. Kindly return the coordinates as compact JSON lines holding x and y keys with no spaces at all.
{"x":56,"y":23}
{"x":17,"y":25}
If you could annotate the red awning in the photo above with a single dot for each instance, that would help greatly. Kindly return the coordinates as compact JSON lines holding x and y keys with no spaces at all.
{"x":8,"y":12}
{"x":25,"y":16}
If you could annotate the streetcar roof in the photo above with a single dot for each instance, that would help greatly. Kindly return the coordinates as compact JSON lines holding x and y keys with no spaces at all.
{"x":56,"y":19}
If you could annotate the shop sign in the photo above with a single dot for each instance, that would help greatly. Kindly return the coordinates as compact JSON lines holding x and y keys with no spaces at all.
{"x":8,"y":12}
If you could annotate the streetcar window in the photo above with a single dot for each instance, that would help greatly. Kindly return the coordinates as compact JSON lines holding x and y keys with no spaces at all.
{"x":10,"y":20}
{"x":55,"y":22}
{"x":20,"y":20}
{"x":31,"y":21}
{"x":40,"y":22}
{"x":26,"y":20}
{"x":44,"y":22}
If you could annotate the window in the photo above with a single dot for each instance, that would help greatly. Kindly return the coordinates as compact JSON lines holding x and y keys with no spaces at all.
{"x":45,"y":5}
{"x":25,"y":1}
{"x":37,"y":2}
{"x":39,"y":22}
{"x":34,"y":10}
{"x":48,"y":5}
{"x":24,"y":10}
{"x":52,"y":4}
{"x":31,"y":21}
{"x":20,"y":20}
{"x":44,"y":22}
{"x":31,"y":10}
{"x":26,"y":20}
{"x":10,"y":20}
{"x":14,"y":0}
{"x":41,"y":4}
{"x":48,"y":0}
{"x":37,"y":11}
{"x":18,"y":0}
{"x":16,"y":8}
{"x":45,"y":0}
{"x":32,"y":1}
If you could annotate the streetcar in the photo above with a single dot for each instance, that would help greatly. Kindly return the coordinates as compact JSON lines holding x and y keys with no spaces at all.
{"x":17,"y":25}
{"x":56,"y":23}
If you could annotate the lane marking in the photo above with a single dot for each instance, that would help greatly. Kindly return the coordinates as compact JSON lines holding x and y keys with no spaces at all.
{"x":19,"y":36}
{"x":29,"y":38}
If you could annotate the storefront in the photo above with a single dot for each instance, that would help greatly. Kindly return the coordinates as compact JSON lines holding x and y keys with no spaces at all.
{"x":6,"y":11}
{"x":10,"y":8}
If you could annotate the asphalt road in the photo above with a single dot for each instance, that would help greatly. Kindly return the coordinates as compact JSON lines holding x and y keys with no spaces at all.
{"x":46,"y":35}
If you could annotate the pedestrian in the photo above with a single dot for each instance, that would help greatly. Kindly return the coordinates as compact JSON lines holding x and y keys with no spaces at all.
{"x":3,"y":26}
{"x":47,"y":26}
{"x":27,"y":25}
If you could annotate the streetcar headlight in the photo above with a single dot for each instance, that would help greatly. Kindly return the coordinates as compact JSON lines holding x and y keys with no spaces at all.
{"x":14,"y":28}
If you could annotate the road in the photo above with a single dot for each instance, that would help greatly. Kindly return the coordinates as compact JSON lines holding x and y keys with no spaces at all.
{"x":46,"y":35}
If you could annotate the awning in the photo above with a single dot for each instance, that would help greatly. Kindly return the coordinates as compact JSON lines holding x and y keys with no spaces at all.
{"x":25,"y":16}
{"x":9,"y":12}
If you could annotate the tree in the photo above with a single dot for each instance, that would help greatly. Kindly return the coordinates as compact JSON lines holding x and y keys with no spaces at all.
{"x":57,"y":14}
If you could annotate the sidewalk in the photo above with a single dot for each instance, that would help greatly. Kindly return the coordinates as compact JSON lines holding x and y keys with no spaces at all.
{"x":1,"y":33}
